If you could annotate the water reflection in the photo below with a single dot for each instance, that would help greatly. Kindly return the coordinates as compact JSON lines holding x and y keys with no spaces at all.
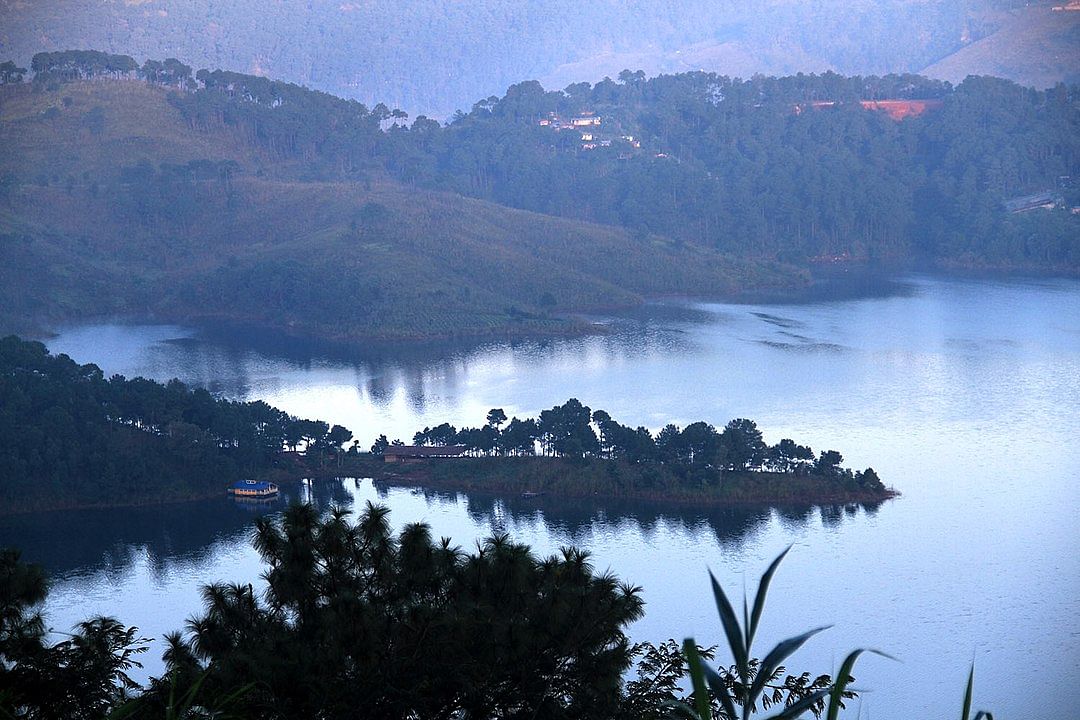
{"x":419,"y":379}
{"x":114,"y":539}
{"x":577,"y":520}
{"x":973,"y":349}
{"x":169,"y":537}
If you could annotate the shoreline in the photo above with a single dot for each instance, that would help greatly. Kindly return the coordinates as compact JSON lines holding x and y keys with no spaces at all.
{"x":531,"y":479}
{"x":279,"y":476}
{"x":840,"y":282}
{"x":566,"y":325}
{"x":685,"y":501}
{"x":541,"y":477}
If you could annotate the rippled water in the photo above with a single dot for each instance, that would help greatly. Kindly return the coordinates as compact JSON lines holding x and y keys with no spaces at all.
{"x":964,"y":394}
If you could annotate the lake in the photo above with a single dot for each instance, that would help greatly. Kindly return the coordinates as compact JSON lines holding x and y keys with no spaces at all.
{"x":964,"y":394}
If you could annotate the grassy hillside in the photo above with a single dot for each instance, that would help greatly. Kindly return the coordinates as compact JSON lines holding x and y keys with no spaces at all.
{"x":1033,"y":45}
{"x":112,"y":205}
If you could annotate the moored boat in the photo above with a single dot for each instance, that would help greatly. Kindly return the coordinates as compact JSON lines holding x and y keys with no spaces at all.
{"x":253,"y":489}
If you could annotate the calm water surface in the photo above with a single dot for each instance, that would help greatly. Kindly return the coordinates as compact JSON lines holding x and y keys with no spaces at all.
{"x":963,"y":394}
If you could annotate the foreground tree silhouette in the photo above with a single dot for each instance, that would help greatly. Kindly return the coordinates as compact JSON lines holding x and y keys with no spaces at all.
{"x":359,"y":622}
{"x":79,"y":678}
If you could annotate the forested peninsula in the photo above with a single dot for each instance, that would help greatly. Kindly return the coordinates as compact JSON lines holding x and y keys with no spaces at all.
{"x":155,"y":191}
{"x":74,"y":438}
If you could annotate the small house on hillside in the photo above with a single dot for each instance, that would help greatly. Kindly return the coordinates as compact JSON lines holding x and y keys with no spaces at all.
{"x":416,"y":453}
{"x":585,"y":119}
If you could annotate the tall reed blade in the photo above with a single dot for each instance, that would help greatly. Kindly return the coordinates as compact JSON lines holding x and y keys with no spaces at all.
{"x":748,"y":636}
{"x":719,"y":688}
{"x":759,"y":599}
{"x":982,"y":714}
{"x":679,"y":709}
{"x":796,"y":709}
{"x":732,"y":630}
{"x":966,"y":715}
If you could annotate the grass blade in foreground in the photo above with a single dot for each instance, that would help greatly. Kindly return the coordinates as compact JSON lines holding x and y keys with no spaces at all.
{"x":739,"y":642}
{"x":731,"y":628}
{"x":843,"y":677}
{"x":966,"y":715}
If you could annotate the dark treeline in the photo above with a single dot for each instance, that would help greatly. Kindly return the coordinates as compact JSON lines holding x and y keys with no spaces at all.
{"x":698,"y":451}
{"x":53,"y":68}
{"x":284,"y":117}
{"x":74,"y":437}
{"x":793,"y":168}
{"x":359,"y":622}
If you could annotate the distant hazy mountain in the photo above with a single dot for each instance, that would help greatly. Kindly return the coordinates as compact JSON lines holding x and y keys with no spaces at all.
{"x":432,"y":56}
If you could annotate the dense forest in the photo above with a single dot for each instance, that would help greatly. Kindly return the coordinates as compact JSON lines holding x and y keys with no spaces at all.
{"x":77,"y":438}
{"x":265,"y":203}
{"x":791,"y":167}
{"x":433,"y":57}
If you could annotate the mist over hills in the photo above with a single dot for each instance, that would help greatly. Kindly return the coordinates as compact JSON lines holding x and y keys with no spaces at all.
{"x":432,"y":57}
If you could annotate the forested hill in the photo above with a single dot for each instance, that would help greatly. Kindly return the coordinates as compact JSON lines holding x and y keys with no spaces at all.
{"x":157,"y":190}
{"x":118,"y":199}
{"x":794,"y":168}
